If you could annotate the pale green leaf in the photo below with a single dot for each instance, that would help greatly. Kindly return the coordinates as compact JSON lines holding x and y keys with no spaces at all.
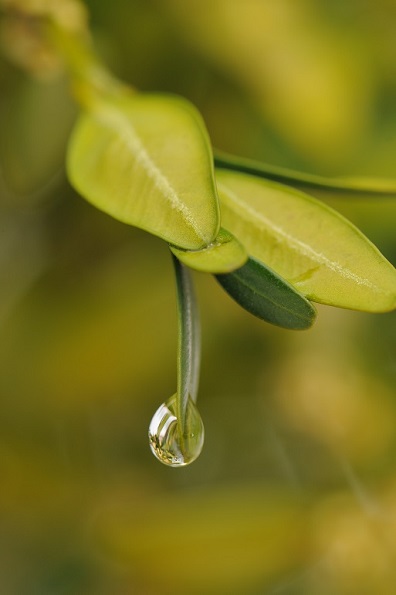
{"x":266,"y":295}
{"x":350,"y":186}
{"x":223,"y":255}
{"x":312,"y":246}
{"x":146,"y":160}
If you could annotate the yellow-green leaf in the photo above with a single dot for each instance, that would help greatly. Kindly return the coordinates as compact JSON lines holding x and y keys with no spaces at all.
{"x":146,"y":160}
{"x":309,"y":244}
{"x":223,"y":255}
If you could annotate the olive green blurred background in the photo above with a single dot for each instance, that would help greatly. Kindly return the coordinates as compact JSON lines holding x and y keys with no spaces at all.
{"x":295,"y":491}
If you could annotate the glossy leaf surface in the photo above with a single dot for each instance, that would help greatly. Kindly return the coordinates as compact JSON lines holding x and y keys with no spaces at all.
{"x":146,"y":160}
{"x":312,"y":246}
{"x":223,"y":255}
{"x":266,"y":295}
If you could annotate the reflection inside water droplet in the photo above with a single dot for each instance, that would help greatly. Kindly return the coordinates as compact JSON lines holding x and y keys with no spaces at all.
{"x":165,"y":442}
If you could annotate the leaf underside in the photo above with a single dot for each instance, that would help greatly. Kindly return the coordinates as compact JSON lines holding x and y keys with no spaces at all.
{"x":146,"y":160}
{"x":266,"y":295}
{"x":223,"y":255}
{"x":315,"y":248}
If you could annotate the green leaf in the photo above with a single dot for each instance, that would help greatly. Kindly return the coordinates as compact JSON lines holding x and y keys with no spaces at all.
{"x":312,"y":246}
{"x":269,"y":297}
{"x":146,"y":160}
{"x":351,"y":186}
{"x":223,"y":255}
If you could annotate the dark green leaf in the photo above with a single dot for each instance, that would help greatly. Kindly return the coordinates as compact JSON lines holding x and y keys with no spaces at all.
{"x":264,"y":294}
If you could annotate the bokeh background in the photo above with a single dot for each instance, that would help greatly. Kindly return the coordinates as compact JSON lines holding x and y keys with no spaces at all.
{"x":295,"y":491}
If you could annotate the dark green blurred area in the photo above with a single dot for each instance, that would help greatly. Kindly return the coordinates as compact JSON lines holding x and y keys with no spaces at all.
{"x":295,"y":491}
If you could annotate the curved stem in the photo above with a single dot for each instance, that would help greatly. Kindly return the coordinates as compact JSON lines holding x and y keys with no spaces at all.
{"x":189,"y":343}
{"x":359,"y":187}
{"x":51,"y":31}
{"x":89,"y":77}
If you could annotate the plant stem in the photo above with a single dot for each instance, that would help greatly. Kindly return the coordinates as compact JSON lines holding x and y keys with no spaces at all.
{"x":350,"y":187}
{"x":89,"y":77}
{"x":189,"y":343}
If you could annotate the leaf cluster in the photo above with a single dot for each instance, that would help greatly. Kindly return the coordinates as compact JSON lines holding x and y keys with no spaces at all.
{"x":147,"y":161}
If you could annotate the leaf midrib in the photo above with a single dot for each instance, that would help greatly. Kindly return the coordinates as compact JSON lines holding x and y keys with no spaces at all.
{"x":301,"y":247}
{"x":113,"y":119}
{"x":277,"y":304}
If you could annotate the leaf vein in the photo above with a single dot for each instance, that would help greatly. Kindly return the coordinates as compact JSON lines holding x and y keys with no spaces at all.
{"x":127,"y":133}
{"x":301,"y":247}
{"x":272,"y":301}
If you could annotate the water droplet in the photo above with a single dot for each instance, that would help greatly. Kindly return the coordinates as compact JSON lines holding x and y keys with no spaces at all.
{"x":165,"y":442}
